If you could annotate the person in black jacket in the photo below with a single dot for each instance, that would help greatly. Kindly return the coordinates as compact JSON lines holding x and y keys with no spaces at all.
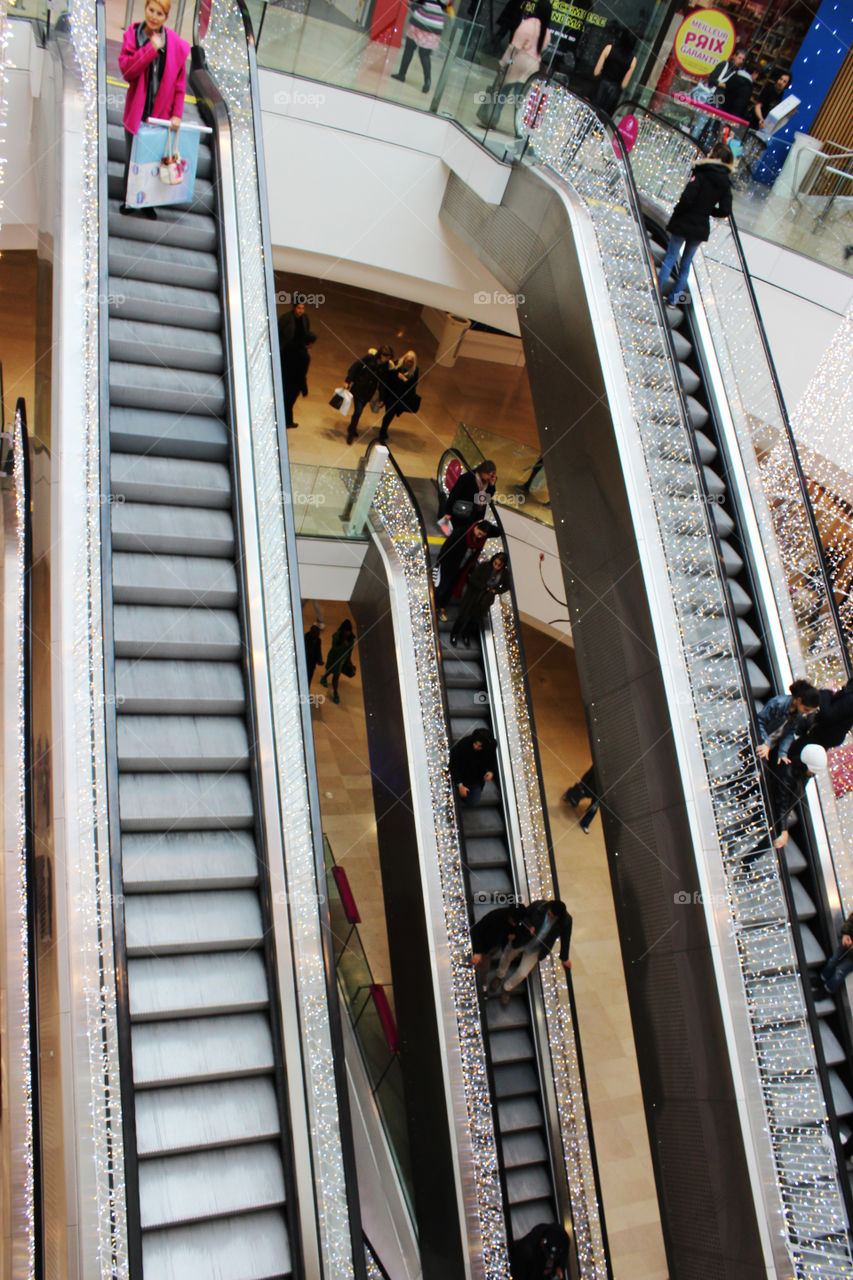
{"x":294,"y":339}
{"x":543,"y":1254}
{"x":707,"y":195}
{"x":399,"y":391}
{"x":469,"y":497}
{"x":364,"y":378}
{"x":788,"y":786}
{"x":614,"y":69}
{"x":833,"y":722}
{"x":840,"y":965}
{"x":313,"y":650}
{"x":536,"y":934}
{"x":457,"y":559}
{"x":490,"y":934}
{"x":486,"y":582}
{"x":473,"y":761}
{"x":770,"y":96}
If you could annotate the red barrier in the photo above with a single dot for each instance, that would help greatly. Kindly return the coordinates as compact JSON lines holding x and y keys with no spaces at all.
{"x":347,"y":896}
{"x":386,"y":1017}
{"x":388,"y":21}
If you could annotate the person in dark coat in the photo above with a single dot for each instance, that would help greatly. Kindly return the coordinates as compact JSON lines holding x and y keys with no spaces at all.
{"x":485,"y":582}
{"x":770,"y":96}
{"x":473,"y":761}
{"x":587,"y":788}
{"x":491,"y":934}
{"x":294,"y":339}
{"x":364,"y":378}
{"x":788,"y":786}
{"x":543,"y":923}
{"x":614,"y":69}
{"x":399,"y":391}
{"x":339,"y":660}
{"x":457,"y":558}
{"x":707,"y":195}
{"x":313,"y":651}
{"x":469,"y":497}
{"x":543,"y":1254}
{"x":833,"y":722}
{"x":840,"y":965}
{"x":783,"y":718}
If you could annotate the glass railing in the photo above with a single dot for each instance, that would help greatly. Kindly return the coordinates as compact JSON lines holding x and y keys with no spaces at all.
{"x":522,"y":483}
{"x":370,"y":1007}
{"x":41,"y":13}
{"x":322,"y":500}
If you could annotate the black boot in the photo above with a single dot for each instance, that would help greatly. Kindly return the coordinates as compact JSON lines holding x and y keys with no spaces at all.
{"x":424,"y":55}
{"x":408,"y":54}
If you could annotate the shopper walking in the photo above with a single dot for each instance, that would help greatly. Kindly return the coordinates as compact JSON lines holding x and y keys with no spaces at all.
{"x":364,"y":378}
{"x":426,"y":23}
{"x":294,"y":339}
{"x":399,"y":391}
{"x":521,"y":59}
{"x":707,"y":195}
{"x":339,"y":660}
{"x":313,"y":651}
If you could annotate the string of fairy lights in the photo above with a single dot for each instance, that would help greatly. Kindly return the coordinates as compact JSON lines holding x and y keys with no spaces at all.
{"x":228,"y":59}
{"x":804,"y":1207}
{"x":568,"y":1084}
{"x":88,"y":871}
{"x":392,"y":506}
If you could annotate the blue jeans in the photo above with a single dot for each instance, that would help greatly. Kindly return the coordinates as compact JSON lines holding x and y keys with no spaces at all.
{"x":672,"y":251}
{"x":837,"y":968}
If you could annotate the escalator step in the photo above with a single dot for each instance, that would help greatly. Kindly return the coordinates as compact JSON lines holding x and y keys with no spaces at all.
{"x":482,"y":821}
{"x":715,"y":486}
{"x":841,"y":1098}
{"x":195,"y":231}
{"x":171,"y":632}
{"x":187,"y":531}
{"x":182,"y":987}
{"x":467,"y":701}
{"x":507,"y":1017}
{"x":803,"y":905}
{"x":460,"y":726}
{"x":794,"y":857}
{"x":524,"y":1149}
{"x":527,"y":1215}
{"x":252,"y":1247}
{"x":172,"y":391}
{"x":510,"y":1046}
{"x":690,"y":381}
{"x":210,"y":1184}
{"x":749,"y":641}
{"x":515,"y":1080}
{"x":519,"y":1113}
{"x":462,"y":675}
{"x":741,"y":602}
{"x":168,"y":435}
{"x":198,"y":1116}
{"x":486,"y":851}
{"x":706,"y":448}
{"x":142,"y":579}
{"x":176,"y":348}
{"x":174,"y":306}
{"x":179,"y":744}
{"x":181,"y":1051}
{"x":189,"y":802}
{"x":146,"y":687}
{"x":531,"y":1183}
{"x":181,"y":482}
{"x":832,"y":1049}
{"x":169,"y":861}
{"x":758,"y":682}
{"x":492,"y":886}
{"x":184,"y":923}
{"x":161,"y":264}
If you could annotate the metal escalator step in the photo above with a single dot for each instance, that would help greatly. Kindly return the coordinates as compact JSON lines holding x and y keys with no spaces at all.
{"x":460,"y":726}
{"x":173,"y":306}
{"x":697,"y":412}
{"x":184,"y":923}
{"x":181,"y":482}
{"x":690,"y":381}
{"x":531,"y":1183}
{"x":486,"y":851}
{"x":841,"y":1098}
{"x":529,"y":1214}
{"x":521,"y":1149}
{"x":683,"y":346}
{"x":750,"y":642}
{"x":833,"y":1051}
{"x":161,"y":264}
{"x":794,"y":857}
{"x":152,"y":687}
{"x":519,"y":1113}
{"x":216,"y":1048}
{"x":144,"y":386}
{"x":168,"y":435}
{"x":507,"y":1017}
{"x":803,"y":905}
{"x":715,"y":486}
{"x":209,"y":1184}
{"x":189,"y":802}
{"x":179,"y":744}
{"x":706,"y":448}
{"x":253,"y":1246}
{"x":758,"y":682}
{"x":467,"y":702}
{"x":168,"y":861}
{"x":462,"y":675}
{"x":725,"y":525}
{"x":182,"y":987}
{"x":203,"y":201}
{"x":187,"y":531}
{"x":196,"y":231}
{"x":510,"y":1046}
{"x":174,"y":347}
{"x":492,"y":886}
{"x":515,"y":1080}
{"x":732,"y":562}
{"x":812,"y":950}
{"x":206,"y":582}
{"x":482,"y":821}
{"x":169,"y":632}
{"x":198,"y":1116}
{"x":741,"y":602}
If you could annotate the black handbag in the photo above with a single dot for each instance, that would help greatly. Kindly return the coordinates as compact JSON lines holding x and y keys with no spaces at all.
{"x":336,"y":400}
{"x":462,"y":509}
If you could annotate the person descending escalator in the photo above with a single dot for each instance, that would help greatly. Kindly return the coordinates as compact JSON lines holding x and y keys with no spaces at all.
{"x":489,"y":580}
{"x":543,"y":924}
{"x":473,"y":761}
{"x":787,"y":788}
{"x":490,"y":935}
{"x":543,"y":1254}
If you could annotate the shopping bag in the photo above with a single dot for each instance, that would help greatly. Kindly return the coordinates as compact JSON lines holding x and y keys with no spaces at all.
{"x":173,"y":166}
{"x":342,"y":401}
{"x":145,"y":188}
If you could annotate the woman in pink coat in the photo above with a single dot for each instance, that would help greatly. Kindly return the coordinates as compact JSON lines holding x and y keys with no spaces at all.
{"x":522,"y":59}
{"x":153,"y":61}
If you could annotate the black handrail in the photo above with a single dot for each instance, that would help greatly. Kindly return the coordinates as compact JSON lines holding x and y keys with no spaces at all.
{"x":122,"y":993}
{"x":30,"y":873}
{"x":330,"y":974}
{"x":780,"y":400}
{"x":453,"y":451}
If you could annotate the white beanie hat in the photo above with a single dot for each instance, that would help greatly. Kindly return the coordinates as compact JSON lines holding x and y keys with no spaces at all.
{"x":813,"y":757}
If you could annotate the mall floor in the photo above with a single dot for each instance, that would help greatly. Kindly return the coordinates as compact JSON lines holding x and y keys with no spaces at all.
{"x":347,"y":321}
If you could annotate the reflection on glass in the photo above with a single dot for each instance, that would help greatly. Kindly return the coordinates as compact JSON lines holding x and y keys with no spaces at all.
{"x":522,"y":484}
{"x":322,"y":498}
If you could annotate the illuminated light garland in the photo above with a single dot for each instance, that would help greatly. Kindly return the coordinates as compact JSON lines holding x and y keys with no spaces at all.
{"x":570,"y":140}
{"x":90,"y":907}
{"x":568,"y":1084}
{"x":227,"y":56}
{"x":4,"y":105}
{"x":392,"y":506}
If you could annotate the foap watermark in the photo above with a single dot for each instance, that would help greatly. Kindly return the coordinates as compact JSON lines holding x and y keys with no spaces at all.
{"x":312,"y":699}
{"x":708,"y":499}
{"x":497,"y":899}
{"x":699,"y":899}
{"x":298,"y":98}
{"x":283,"y":899}
{"x":510,"y":499}
{"x":306,"y":499}
{"x":499,"y":298}
{"x":285,"y":299}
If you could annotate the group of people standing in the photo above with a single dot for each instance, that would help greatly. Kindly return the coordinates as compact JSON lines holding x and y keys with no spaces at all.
{"x":377,"y":379}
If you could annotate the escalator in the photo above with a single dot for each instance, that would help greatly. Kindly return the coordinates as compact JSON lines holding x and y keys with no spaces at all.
{"x":199,"y":1010}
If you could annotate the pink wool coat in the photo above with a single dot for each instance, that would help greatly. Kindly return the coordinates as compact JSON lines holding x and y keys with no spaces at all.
{"x":135,"y":62}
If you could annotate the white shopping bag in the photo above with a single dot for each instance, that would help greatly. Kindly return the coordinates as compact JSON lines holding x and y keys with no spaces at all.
{"x":345,"y":407}
{"x":145,"y":187}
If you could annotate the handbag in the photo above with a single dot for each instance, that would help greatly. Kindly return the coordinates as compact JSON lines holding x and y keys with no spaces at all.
{"x":348,"y":669}
{"x":342,"y":401}
{"x":337,"y":400}
{"x":172,"y":165}
{"x":462,"y":509}
{"x":376,"y":402}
